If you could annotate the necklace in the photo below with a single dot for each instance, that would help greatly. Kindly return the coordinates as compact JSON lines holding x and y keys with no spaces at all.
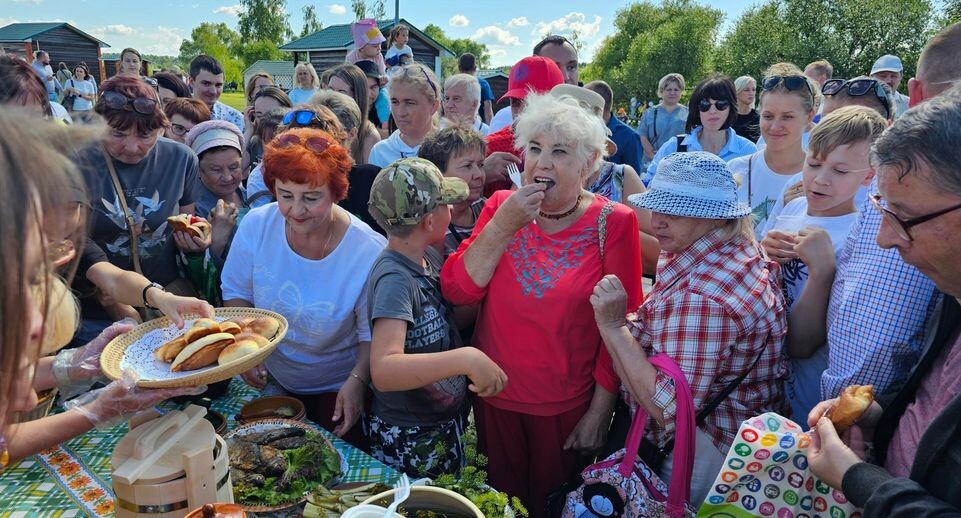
{"x":563,"y":214}
{"x":330,"y":234}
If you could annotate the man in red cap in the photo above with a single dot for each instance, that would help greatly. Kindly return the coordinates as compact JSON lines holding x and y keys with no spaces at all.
{"x":531,"y":74}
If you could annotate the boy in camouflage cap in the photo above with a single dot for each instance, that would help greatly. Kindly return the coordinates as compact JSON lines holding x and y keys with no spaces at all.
{"x":418,"y":366}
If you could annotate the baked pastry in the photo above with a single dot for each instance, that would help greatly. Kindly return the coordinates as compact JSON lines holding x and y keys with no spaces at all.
{"x":168,"y":351}
{"x":202,"y":352}
{"x":237,"y":350}
{"x":263,"y":326}
{"x":197,"y":227}
{"x":854,"y":401}
{"x":230,"y":327}
{"x":248,"y":335}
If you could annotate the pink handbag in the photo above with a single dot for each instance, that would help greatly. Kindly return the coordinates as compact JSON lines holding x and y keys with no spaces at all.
{"x":622,"y":485}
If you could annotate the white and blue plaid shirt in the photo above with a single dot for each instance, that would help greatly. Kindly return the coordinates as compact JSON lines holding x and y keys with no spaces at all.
{"x":878,"y":314}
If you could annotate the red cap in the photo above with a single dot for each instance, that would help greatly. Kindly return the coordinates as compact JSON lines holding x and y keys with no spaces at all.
{"x":535,"y":73}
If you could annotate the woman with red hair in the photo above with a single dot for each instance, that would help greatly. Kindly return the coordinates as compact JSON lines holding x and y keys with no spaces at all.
{"x":308,"y":259}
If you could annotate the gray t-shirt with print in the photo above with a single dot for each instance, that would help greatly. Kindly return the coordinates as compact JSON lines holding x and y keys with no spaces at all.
{"x":154,"y":189}
{"x":400,"y":289}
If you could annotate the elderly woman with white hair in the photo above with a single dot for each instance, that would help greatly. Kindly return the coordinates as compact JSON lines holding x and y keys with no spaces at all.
{"x":462,"y":97}
{"x":307,"y":83}
{"x":716,"y":310}
{"x":665,"y":120}
{"x":748,"y":122}
{"x":541,"y":249}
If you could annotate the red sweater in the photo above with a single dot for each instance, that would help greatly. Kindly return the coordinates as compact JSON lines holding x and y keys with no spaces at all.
{"x":536,"y":321}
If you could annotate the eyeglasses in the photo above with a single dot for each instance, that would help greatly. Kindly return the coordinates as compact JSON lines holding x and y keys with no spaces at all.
{"x":315,"y":144}
{"x":119,"y":101}
{"x":178,"y":129}
{"x":857,"y":88}
{"x":790,"y":82}
{"x":704,"y":105}
{"x":903,"y":227}
{"x":303,"y":117}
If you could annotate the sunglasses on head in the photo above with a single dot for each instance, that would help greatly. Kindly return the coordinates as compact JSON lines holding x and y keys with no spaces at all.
{"x":857,"y":88}
{"x":119,"y":101}
{"x":704,"y":105}
{"x":303,"y":117}
{"x":315,"y":144}
{"x":790,"y":82}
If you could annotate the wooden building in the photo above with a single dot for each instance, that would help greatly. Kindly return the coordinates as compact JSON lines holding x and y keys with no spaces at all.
{"x":62,"y":41}
{"x":498,"y":81}
{"x":329,"y":46}
{"x":281,"y":71}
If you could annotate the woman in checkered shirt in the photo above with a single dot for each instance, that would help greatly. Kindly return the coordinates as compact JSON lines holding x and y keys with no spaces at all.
{"x":716,"y":310}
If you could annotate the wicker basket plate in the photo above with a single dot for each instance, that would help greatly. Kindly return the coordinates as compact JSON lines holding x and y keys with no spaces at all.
{"x":273,"y":424}
{"x":134,"y":350}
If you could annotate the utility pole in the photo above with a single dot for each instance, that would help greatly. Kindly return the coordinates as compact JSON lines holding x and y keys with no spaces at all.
{"x":396,"y":11}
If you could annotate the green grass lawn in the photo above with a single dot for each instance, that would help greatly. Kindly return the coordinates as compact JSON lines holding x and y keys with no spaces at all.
{"x":234,"y":100}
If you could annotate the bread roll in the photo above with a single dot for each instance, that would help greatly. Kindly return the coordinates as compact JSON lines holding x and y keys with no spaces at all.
{"x":247,"y":335}
{"x":229,"y":327}
{"x":168,"y":351}
{"x":195,"y":333}
{"x":854,"y":401}
{"x":237,"y":350}
{"x":202,"y":352}
{"x":192,"y":225}
{"x":266,"y":327}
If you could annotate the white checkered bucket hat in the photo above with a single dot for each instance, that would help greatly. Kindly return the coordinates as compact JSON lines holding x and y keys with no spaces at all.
{"x":694,"y":184}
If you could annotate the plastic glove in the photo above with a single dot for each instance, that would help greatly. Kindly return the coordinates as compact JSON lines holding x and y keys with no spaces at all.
{"x":78,"y":369}
{"x":121,"y":399}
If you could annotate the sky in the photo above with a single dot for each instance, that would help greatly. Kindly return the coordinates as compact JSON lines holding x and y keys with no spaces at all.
{"x":508,"y":28}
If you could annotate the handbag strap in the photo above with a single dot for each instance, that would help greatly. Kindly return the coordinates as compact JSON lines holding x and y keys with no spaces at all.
{"x":679,"y":488}
{"x":134,"y":249}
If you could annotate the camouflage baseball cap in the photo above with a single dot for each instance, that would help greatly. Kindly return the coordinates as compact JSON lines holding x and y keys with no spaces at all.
{"x":408,"y":189}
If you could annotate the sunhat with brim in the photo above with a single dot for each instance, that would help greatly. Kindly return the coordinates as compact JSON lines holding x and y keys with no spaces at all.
{"x":589,"y":100}
{"x":213,"y":134}
{"x":695,"y":185}
{"x":366,"y":32}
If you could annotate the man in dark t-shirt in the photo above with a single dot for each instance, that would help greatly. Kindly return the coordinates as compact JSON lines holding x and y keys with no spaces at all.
{"x":467,"y":64}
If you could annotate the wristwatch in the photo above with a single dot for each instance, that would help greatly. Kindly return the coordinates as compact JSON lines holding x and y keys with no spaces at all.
{"x":144,"y":294}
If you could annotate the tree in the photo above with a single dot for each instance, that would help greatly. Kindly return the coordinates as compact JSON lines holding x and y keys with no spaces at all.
{"x":651,"y":40}
{"x":369,"y":9}
{"x":851,"y":34}
{"x":459,"y":47}
{"x":311,"y":24}
{"x":218,"y":41}
{"x":265,"y":20}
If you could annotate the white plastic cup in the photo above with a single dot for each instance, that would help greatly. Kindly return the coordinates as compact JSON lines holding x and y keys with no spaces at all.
{"x":790,"y":224}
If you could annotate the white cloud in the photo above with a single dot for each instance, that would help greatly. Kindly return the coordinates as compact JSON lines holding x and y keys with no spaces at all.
{"x":119,"y":29}
{"x":231,"y":10}
{"x":35,"y":2}
{"x":494,"y":34}
{"x":458,"y":20}
{"x":496,"y":51}
{"x":518,"y":22}
{"x":572,"y":22}
{"x":336,"y":9}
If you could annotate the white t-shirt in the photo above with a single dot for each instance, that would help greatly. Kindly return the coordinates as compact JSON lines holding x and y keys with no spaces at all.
{"x":324,"y":301}
{"x":394,"y":51}
{"x":390,"y":149}
{"x":804,"y":385}
{"x":860,"y":197}
{"x":85,"y":87}
{"x":501,"y":119}
{"x":765,"y":185}
{"x":255,"y":185}
{"x":60,"y":113}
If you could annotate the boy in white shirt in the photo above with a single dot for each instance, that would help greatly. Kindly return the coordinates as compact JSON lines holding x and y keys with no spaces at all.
{"x":806,"y":236}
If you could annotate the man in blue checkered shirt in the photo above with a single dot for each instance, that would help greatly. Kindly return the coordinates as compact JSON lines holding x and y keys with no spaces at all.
{"x":878,"y":314}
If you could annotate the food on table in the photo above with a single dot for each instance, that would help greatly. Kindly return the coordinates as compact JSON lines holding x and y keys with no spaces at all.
{"x":854,"y":401}
{"x":280,"y":465}
{"x":197,"y":227}
{"x":324,"y":502}
{"x":202,"y":352}
{"x":208,"y":341}
{"x":219,"y":511}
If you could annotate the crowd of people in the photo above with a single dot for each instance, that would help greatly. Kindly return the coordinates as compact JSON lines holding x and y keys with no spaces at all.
{"x":441,"y":265}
